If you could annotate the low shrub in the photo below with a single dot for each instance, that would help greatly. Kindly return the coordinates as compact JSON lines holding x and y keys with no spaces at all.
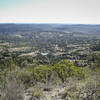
{"x":64,"y":69}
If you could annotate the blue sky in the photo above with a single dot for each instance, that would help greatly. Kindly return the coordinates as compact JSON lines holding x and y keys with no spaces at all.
{"x":11,"y":3}
{"x":50,"y":11}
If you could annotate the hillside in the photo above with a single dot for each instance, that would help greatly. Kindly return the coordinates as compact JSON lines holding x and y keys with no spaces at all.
{"x":49,"y":62}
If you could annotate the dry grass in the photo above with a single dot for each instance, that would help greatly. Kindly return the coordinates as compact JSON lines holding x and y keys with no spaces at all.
{"x":12,"y":91}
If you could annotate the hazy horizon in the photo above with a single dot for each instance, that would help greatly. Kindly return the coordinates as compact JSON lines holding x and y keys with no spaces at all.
{"x":48,"y":23}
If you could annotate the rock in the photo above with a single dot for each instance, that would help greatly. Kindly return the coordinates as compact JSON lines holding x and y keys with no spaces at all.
{"x":47,"y":89}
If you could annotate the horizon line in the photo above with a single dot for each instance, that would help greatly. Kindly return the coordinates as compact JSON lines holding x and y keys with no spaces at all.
{"x":49,"y":23}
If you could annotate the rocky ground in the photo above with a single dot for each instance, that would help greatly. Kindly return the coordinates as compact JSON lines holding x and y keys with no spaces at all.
{"x":78,"y":91}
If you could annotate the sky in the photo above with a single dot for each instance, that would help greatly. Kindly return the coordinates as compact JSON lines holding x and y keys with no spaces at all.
{"x":50,"y":11}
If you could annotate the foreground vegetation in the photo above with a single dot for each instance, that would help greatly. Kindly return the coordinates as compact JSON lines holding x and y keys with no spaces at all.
{"x":39,"y":79}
